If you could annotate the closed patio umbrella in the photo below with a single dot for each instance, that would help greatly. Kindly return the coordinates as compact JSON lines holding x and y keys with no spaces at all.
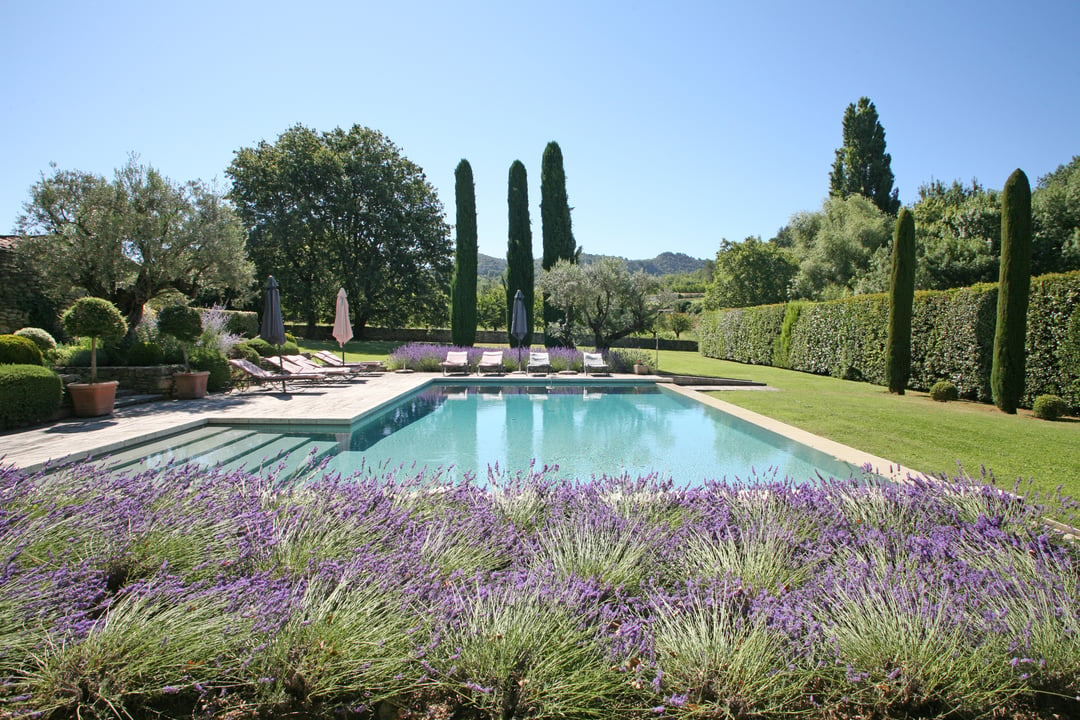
{"x":518,"y":322}
{"x":272,"y":329}
{"x":342,"y":324}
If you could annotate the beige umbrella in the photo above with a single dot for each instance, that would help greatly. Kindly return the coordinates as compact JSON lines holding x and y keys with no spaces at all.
{"x":342,"y":325}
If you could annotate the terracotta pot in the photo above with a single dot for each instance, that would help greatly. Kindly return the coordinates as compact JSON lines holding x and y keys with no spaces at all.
{"x":92,"y":399}
{"x":641,"y":369}
{"x":190,"y":385}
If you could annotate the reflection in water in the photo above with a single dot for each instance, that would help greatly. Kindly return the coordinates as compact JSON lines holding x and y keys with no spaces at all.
{"x":456,"y":431}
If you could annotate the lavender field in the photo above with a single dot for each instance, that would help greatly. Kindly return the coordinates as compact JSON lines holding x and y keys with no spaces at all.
{"x":189,"y":593}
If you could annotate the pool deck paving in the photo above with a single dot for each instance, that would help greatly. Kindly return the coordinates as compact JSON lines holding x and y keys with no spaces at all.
{"x":76,"y":438}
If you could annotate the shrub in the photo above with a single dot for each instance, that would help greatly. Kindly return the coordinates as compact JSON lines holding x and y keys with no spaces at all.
{"x":901,"y":298}
{"x":28,"y":394}
{"x":216,"y":363}
{"x":17,"y":350}
{"x":183,"y":323}
{"x":265,"y":349}
{"x":290,"y":338}
{"x":242,"y":323}
{"x":1049,"y":407}
{"x":944,"y":391}
{"x":42,"y":338}
{"x":145,"y":353}
{"x":246,"y":351}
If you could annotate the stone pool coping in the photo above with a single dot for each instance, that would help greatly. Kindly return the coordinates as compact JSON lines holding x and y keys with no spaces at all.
{"x":78,"y":438}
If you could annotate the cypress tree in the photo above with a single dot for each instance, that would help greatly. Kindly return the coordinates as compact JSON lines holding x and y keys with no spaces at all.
{"x":463,"y":289}
{"x":555,"y":220}
{"x":1007,"y":371}
{"x":901,"y":298}
{"x":519,"y":257}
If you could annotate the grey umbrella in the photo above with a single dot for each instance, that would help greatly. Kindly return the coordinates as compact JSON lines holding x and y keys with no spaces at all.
{"x":519,"y":324}
{"x":273,"y":326}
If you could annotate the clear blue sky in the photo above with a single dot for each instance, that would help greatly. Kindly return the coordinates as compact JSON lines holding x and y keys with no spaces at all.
{"x":681,"y":123}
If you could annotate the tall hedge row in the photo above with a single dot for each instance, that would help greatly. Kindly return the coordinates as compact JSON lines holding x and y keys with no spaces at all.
{"x":952,"y":338}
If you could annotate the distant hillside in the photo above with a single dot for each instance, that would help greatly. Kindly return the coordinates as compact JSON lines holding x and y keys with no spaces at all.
{"x":666,"y":263}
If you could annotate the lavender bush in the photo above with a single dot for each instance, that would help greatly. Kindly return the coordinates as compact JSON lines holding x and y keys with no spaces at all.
{"x":190,"y":592}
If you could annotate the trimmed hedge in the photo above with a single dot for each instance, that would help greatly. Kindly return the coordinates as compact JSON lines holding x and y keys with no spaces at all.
{"x":18,"y":350}
{"x":952,"y":338}
{"x":242,"y":322}
{"x":28,"y":394}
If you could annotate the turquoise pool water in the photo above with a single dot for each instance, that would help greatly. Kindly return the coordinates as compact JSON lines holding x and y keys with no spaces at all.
{"x":577,"y":430}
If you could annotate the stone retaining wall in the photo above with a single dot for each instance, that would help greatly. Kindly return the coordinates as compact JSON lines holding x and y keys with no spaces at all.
{"x":149,"y":380}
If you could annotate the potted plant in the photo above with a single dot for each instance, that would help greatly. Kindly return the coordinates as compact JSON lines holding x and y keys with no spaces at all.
{"x":93,"y":318}
{"x":185,"y":324}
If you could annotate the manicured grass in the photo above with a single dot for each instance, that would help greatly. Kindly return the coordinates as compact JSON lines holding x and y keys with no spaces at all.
{"x":912,"y":429}
{"x":355,"y":350}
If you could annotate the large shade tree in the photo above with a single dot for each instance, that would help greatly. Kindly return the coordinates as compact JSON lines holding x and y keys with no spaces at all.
{"x":862,"y":167}
{"x":345,"y":208}
{"x":750,"y":273}
{"x":131,"y":238}
{"x":606,"y":297}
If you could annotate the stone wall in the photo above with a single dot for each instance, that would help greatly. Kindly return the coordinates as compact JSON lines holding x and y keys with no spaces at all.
{"x":149,"y":380}
{"x":14,"y":284}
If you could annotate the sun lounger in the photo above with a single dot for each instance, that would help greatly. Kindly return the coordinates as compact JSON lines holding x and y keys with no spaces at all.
{"x":594,"y":362}
{"x":332,"y":360}
{"x":254,"y":373}
{"x":456,"y":361}
{"x":491,"y":361}
{"x":538,"y":362}
{"x":300,"y":364}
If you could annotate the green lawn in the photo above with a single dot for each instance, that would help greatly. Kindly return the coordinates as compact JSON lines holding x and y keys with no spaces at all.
{"x":911,"y":429}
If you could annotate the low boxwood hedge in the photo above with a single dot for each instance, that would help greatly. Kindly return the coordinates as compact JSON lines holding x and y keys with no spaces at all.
{"x":28,"y":394}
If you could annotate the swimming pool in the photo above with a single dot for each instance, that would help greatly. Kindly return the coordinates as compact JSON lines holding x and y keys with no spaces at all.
{"x":454,"y":430}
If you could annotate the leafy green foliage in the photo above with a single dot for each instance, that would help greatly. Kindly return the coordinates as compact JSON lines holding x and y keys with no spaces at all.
{"x":265,"y":349}
{"x":559,"y":241}
{"x":18,"y":350}
{"x":519,"y":258}
{"x":944,"y":391}
{"x":491,"y":306}
{"x":242,"y":323}
{"x":42,"y":338}
{"x":463,"y":311}
{"x":145,"y":353}
{"x":750,"y":273}
{"x":862,"y":167}
{"x":841,"y":249}
{"x":1007,"y":372}
{"x":1056,"y":219}
{"x":1049,"y":407}
{"x":183,"y":323}
{"x":130,"y":239}
{"x":958,"y":233}
{"x":782,"y":345}
{"x":214,"y":361}
{"x":901,"y":297}
{"x":344,"y":208}
{"x":605,"y":298}
{"x":742,"y":334}
{"x":28,"y":394}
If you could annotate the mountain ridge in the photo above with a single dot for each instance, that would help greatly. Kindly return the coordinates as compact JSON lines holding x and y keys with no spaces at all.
{"x":666,"y":263}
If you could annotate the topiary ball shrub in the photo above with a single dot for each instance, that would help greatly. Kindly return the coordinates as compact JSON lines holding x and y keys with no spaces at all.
{"x":94,"y":318}
{"x":290,"y":338}
{"x":1049,"y":407}
{"x":944,"y":391}
{"x":42,"y":338}
{"x":183,"y":323}
{"x":28,"y":394}
{"x":16,"y":350}
{"x":216,"y":363}
{"x":145,"y":353}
